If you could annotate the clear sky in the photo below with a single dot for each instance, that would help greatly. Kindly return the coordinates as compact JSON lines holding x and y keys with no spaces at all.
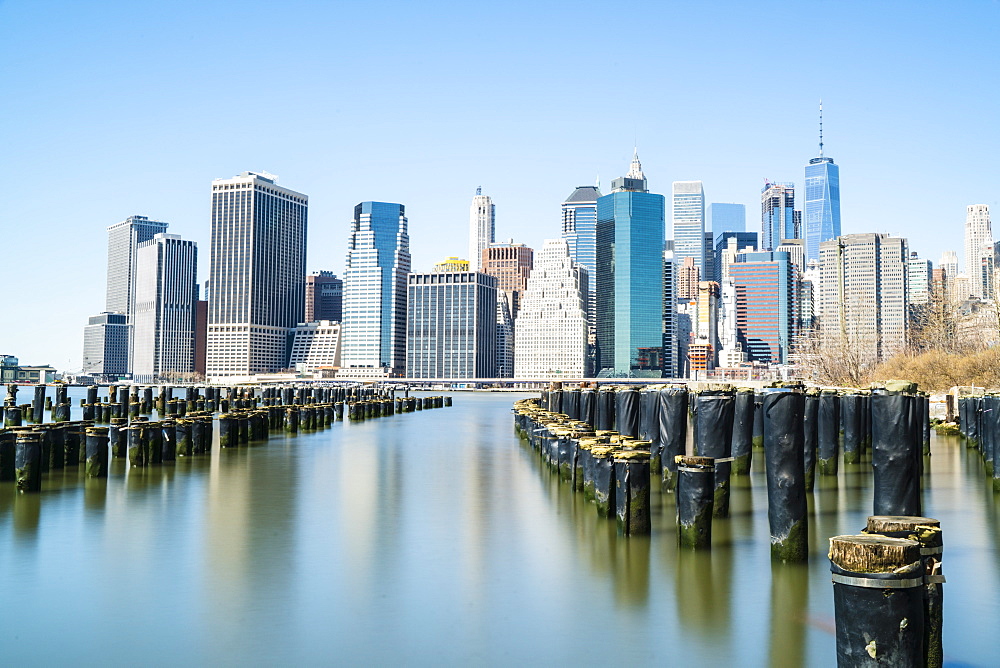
{"x":113,"y":109}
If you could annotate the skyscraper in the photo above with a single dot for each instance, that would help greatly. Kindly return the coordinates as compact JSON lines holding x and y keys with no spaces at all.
{"x":822,"y":210}
{"x":726,"y":217}
{"x":579,"y":229}
{"x":765,"y":304}
{"x":777,"y":214}
{"x":378,"y":260}
{"x":482,"y":227}
{"x":669,"y":349}
{"x":689,"y":223}
{"x":123,"y":238}
{"x":978,"y":245}
{"x":919,"y":283}
{"x":164,"y":308}
{"x":511,"y":263}
{"x":864,"y":295}
{"x":551,"y":328}
{"x":324,"y":297}
{"x":451,"y":325}
{"x":629,"y":272}
{"x":727,"y":246}
{"x":257,"y":274}
{"x":105,"y":347}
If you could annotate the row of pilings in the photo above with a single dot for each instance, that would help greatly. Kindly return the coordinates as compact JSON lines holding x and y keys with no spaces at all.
{"x":979,"y":426}
{"x":613,"y":443}
{"x":30,"y":449}
{"x":610,"y":443}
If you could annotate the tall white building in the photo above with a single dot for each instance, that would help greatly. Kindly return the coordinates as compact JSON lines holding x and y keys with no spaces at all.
{"x":730,"y":349}
{"x":551,"y":325}
{"x":978,"y":246}
{"x":257,"y":275}
{"x":863,"y":288}
{"x":689,"y":223}
{"x":123,"y":238}
{"x":378,"y":261}
{"x":482,"y":228}
{"x":163,"y":311}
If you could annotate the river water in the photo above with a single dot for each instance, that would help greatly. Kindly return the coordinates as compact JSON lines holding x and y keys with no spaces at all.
{"x":437,"y":537}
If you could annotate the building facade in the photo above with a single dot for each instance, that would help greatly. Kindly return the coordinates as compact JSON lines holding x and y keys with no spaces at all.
{"x":919,"y":282}
{"x":451,"y":325}
{"x":629,"y":274}
{"x":726,"y":217}
{"x":669,"y":353}
{"x":863,"y":292}
{"x":689,"y":223}
{"x":123,"y":239}
{"x":727,"y":246}
{"x":315,"y":346}
{"x":978,"y":245}
{"x":766,"y":316}
{"x":378,"y":261}
{"x":551,"y":328}
{"x":511,"y":264}
{"x":257,"y":274}
{"x":482,"y":227}
{"x":579,"y":230}
{"x":164,"y":309}
{"x":324,"y":297}
{"x":777,"y":214}
{"x":822,"y":209}
{"x":105,"y":347}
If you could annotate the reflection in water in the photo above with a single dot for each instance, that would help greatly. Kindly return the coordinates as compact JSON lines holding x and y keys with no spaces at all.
{"x":27,"y":513}
{"x":433,"y":537}
{"x":789,"y":614}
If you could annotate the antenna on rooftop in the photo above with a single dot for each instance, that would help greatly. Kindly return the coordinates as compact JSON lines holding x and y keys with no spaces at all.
{"x":479,"y":189}
{"x":821,"y":128}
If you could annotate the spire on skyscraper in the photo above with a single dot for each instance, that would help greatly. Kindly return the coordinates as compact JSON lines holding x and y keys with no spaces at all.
{"x":635,"y":170}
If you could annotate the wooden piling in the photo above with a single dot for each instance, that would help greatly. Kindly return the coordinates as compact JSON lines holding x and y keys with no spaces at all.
{"x":695,"y":496}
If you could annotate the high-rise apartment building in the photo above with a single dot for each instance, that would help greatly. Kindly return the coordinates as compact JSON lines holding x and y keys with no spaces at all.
{"x":864,"y":295}
{"x":164,"y":308}
{"x":726,"y":217}
{"x":689,"y":222}
{"x":451,"y":325}
{"x":629,"y":273}
{"x":704,"y":343}
{"x":505,"y":336}
{"x":324,"y":297}
{"x":978,"y":245}
{"x":766,"y":318}
{"x":257,"y":275}
{"x":551,"y":328}
{"x":777,"y":212}
{"x":482,"y":227}
{"x":378,"y":260}
{"x":105,"y":347}
{"x":579,"y":230}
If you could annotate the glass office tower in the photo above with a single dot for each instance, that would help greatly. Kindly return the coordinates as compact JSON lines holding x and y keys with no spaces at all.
{"x":579,"y":230}
{"x":689,"y":223}
{"x":629,"y":275}
{"x":378,"y":260}
{"x":822,"y":210}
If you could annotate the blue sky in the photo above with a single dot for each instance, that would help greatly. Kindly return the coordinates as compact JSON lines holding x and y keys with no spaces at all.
{"x":113,"y":109}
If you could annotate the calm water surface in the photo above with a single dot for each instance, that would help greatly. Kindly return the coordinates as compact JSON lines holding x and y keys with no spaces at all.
{"x":437,"y":537}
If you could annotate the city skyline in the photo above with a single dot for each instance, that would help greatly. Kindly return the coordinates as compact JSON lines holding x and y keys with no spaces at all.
{"x":419,"y":124}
